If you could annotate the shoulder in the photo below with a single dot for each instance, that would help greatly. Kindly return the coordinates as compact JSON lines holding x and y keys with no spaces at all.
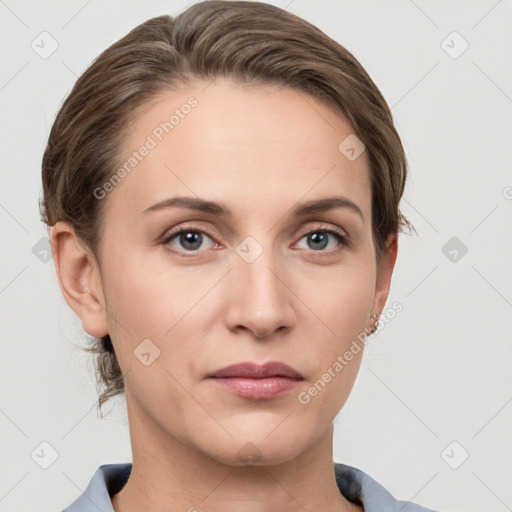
{"x":358,"y":486}
{"x":108,"y":479}
{"x":354,"y":484}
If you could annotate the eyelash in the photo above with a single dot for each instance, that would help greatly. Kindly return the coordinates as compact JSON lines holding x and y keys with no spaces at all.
{"x":343,"y":239}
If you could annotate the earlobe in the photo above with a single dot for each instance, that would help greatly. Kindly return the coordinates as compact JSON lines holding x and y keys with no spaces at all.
{"x":79,"y":279}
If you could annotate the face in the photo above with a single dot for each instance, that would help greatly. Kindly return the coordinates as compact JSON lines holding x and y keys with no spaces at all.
{"x":253,"y":276}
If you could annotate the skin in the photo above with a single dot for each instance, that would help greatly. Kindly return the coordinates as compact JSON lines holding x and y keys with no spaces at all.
{"x":259,"y":150}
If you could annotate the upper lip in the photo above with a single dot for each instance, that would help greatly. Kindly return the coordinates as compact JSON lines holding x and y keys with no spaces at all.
{"x":255,"y":371}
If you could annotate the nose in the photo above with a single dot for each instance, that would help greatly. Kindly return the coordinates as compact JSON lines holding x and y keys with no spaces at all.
{"x":261,"y":299}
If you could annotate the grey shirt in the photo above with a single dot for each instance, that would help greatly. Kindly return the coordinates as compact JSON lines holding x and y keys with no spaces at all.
{"x":354,"y":485}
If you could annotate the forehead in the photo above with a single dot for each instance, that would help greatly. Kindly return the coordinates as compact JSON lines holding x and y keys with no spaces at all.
{"x":247,"y":144}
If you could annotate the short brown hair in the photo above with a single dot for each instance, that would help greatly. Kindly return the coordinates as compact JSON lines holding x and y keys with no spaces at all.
{"x":243,"y":40}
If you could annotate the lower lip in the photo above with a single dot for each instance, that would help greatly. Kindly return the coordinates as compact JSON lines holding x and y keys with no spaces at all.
{"x":257,"y":389}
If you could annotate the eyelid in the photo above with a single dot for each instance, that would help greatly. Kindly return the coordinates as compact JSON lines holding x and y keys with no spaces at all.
{"x":174,"y":232}
{"x":323,"y":227}
{"x":344,"y":238}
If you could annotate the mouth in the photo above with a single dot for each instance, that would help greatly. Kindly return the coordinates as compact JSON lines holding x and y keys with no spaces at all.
{"x":257,"y":382}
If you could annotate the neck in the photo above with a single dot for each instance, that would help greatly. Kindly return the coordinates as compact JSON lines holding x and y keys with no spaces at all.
{"x":170,"y":476}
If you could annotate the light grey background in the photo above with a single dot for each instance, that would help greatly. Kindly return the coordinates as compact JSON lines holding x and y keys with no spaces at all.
{"x":439,"y":372}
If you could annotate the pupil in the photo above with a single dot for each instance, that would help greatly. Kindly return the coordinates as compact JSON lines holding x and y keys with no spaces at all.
{"x":192,"y":238}
{"x":319,"y":237}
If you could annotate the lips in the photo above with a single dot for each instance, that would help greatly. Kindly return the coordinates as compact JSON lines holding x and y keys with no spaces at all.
{"x":254,"y":371}
{"x":257,"y":382}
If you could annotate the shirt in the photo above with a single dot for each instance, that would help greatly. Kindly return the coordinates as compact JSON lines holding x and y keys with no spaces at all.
{"x":354,"y":484}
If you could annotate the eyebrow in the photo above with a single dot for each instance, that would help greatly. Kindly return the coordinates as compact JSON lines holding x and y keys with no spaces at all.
{"x":302,"y":209}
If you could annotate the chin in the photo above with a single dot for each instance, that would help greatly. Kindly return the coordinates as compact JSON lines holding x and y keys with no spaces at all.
{"x":259,"y":448}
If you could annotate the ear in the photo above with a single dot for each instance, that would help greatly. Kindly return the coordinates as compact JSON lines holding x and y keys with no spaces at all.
{"x":384,"y":273}
{"x":79,"y":279}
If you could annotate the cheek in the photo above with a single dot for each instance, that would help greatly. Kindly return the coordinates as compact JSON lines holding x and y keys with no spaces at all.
{"x":341,"y":303}
{"x":152,"y":299}
{"x":341,"y":297}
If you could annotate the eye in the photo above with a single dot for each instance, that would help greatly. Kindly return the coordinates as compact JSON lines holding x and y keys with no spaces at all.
{"x":189,"y":239}
{"x":324,"y":240}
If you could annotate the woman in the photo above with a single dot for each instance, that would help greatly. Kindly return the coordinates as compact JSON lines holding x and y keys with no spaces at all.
{"x":223,"y":193}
